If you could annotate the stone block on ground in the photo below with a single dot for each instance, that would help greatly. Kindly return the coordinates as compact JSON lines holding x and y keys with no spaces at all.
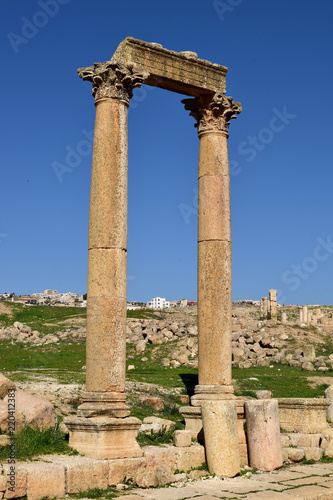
{"x":5,"y":385}
{"x":19,"y":418}
{"x":87,"y":474}
{"x":45,"y":480}
{"x":123,"y":469}
{"x":182,"y":439}
{"x":156,"y":424}
{"x":295,"y":454}
{"x":37,"y":412}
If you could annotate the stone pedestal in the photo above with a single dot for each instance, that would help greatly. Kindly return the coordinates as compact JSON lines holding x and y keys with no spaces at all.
{"x":284,"y":318}
{"x":304,"y":415}
{"x":263,"y":434}
{"x":105,"y":437}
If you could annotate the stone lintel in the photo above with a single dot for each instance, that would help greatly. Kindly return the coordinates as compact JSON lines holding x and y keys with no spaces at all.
{"x":180,"y":72}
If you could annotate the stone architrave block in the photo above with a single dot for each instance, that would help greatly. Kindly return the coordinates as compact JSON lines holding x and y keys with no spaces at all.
{"x":263,"y":434}
{"x":219,"y":419}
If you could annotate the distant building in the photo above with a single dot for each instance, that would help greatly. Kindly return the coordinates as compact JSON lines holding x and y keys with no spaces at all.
{"x":191,"y":303}
{"x":158,"y":303}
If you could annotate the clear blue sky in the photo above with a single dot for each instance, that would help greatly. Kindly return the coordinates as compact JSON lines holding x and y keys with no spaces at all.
{"x":279,"y":55}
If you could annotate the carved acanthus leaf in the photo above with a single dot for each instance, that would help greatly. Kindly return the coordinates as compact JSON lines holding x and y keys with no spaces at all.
{"x":212,"y":112}
{"x":112,"y":79}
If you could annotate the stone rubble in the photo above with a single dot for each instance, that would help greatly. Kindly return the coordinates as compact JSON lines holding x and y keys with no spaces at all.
{"x":254,"y":343}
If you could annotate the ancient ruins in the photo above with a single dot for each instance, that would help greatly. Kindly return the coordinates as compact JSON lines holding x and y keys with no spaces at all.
{"x":103,"y":427}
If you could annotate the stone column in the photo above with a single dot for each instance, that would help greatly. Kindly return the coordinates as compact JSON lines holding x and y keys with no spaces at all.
{"x":213,"y":114}
{"x":301,"y":315}
{"x":305,"y":314}
{"x":265,"y":307}
{"x":272,"y":298}
{"x":107,"y":274}
{"x":284,"y":318}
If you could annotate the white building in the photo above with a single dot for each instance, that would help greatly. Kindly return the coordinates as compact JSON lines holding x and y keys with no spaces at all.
{"x":158,"y":303}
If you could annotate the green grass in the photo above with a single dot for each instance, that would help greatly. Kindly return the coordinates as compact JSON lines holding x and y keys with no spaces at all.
{"x":64,"y":362}
{"x":95,"y":493}
{"x":157,"y":438}
{"x":143,"y":314}
{"x":37,"y":316}
{"x":31,"y":442}
{"x":284,"y":381}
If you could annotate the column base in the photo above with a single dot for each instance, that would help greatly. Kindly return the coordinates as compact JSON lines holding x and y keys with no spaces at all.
{"x":109,"y":404}
{"x":211,"y":392}
{"x":104,"y":437}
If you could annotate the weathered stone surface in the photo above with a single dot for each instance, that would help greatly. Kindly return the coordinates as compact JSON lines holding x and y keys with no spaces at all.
{"x":219,"y":420}
{"x":295,"y":454}
{"x":180,"y":72}
{"x":156,"y":424}
{"x":263,"y":434}
{"x":307,"y":366}
{"x":329,"y":397}
{"x":122,"y":469}
{"x":37,"y":412}
{"x":44,"y":478}
{"x":20,"y":481}
{"x":313,"y":454}
{"x":303,"y":415}
{"x":87,"y":475}
{"x":104,"y":437}
{"x":182,"y":439}
{"x":5,"y":440}
{"x":155,"y":403}
{"x":5,"y":385}
{"x":327,"y":442}
{"x":19,"y":418}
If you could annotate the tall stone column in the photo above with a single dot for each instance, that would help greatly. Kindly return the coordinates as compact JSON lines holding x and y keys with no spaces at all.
{"x":107,"y":273}
{"x":265,"y":307}
{"x":272,"y":299}
{"x":213,"y":114}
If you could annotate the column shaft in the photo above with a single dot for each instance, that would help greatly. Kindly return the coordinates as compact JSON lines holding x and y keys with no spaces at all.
{"x":106,"y":308}
{"x":214,"y":261}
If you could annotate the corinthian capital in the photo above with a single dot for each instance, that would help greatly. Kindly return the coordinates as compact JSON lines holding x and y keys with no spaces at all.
{"x":212,"y":112}
{"x":112,"y":80}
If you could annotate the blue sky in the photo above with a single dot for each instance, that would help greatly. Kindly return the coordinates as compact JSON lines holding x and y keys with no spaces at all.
{"x":279,"y":57}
